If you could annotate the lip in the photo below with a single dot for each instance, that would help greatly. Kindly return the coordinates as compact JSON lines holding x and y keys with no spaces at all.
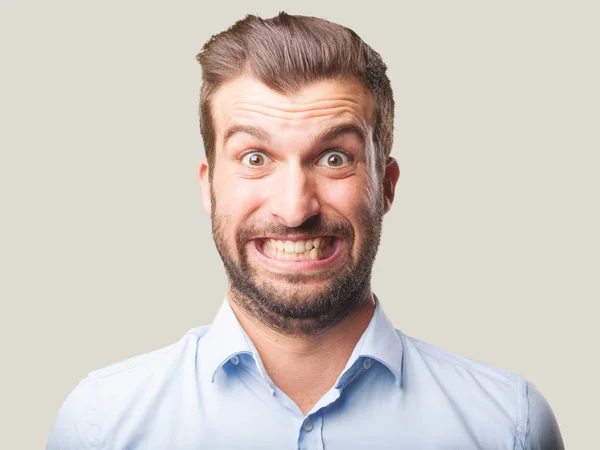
{"x":296,"y":266}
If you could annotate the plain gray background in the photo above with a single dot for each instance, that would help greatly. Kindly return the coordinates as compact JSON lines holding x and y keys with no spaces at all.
{"x":491,"y":250}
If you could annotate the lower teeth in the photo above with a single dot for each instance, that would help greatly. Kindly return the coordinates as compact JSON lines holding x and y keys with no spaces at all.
{"x":276,"y":253}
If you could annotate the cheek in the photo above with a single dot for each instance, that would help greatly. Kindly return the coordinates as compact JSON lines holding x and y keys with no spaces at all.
{"x":354,"y":198}
{"x":239,"y":197}
{"x":350,"y":196}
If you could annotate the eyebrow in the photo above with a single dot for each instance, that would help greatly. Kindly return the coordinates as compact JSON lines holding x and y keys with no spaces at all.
{"x":335,"y":131}
{"x":255,"y":132}
{"x":326,"y":135}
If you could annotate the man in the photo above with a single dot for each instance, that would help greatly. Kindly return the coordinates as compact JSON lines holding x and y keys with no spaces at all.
{"x":296,"y":117}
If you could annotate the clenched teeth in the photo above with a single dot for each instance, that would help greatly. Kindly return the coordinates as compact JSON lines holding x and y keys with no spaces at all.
{"x":278,"y":249}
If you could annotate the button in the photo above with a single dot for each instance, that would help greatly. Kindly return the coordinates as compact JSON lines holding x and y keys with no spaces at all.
{"x":367,"y":363}
{"x":307,"y":425}
{"x":235,"y":360}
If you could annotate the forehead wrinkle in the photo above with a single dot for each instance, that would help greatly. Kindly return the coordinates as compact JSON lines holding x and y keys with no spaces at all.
{"x":282,"y":106}
{"x":297,"y":116}
{"x":290,"y":104}
{"x":235,"y":104}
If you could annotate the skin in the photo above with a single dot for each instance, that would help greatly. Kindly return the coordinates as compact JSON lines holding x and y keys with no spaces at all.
{"x":276,"y":174}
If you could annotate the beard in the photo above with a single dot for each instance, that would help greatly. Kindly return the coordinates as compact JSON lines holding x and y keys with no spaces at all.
{"x":296,"y":308}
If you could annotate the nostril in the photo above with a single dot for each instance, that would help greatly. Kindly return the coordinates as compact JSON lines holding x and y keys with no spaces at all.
{"x":293,"y":207}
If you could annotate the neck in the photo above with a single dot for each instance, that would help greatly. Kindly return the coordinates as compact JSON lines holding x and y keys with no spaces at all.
{"x":305,"y":367}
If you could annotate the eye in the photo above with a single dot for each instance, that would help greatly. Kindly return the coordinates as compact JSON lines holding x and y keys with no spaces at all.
{"x":255,"y":159}
{"x":334,"y":158}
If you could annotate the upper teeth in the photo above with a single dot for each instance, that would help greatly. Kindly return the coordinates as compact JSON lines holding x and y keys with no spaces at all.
{"x":295,"y":246}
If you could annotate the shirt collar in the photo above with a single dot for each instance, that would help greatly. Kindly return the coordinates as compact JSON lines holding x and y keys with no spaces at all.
{"x":226,"y":338}
{"x":382,"y":342}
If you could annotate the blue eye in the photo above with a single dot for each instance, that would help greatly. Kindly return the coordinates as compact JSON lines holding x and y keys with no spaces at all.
{"x":255,"y":159}
{"x":334,"y":158}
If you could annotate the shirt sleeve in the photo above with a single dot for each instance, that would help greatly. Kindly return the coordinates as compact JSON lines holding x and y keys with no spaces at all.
{"x":542,"y":429}
{"x":76,"y":427}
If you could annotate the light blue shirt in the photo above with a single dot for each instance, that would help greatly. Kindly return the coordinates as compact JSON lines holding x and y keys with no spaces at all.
{"x":211,"y":391}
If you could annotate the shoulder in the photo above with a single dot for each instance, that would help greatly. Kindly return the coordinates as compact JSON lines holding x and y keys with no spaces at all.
{"x":83,"y":416}
{"x":447,"y":361}
{"x":76,"y":423}
{"x":543,"y":432}
{"x":161,"y":359}
{"x":474,"y":388}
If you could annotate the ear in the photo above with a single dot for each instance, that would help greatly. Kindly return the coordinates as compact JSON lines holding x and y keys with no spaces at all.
{"x":203,"y":171}
{"x":390,"y":178}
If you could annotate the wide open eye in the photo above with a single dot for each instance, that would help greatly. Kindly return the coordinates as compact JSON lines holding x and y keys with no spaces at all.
{"x":334,"y":158}
{"x":255,"y":159}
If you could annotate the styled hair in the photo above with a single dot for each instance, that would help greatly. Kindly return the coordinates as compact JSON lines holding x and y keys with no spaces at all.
{"x":286,"y":53}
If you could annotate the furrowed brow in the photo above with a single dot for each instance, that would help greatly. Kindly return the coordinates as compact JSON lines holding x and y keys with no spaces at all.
{"x":256,"y":132}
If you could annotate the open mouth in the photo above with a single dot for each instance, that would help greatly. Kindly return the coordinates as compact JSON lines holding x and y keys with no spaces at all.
{"x":298,"y":250}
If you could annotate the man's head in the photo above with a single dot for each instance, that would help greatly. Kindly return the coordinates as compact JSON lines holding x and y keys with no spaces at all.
{"x":297,"y":117}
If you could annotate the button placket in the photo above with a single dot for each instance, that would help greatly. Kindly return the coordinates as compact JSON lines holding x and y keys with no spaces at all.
{"x":311,"y":433}
{"x":308,"y":424}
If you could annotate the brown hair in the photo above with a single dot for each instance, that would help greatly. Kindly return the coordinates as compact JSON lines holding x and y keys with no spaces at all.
{"x":286,"y":53}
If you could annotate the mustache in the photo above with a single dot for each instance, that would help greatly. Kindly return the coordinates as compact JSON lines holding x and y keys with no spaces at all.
{"x":315,"y":225}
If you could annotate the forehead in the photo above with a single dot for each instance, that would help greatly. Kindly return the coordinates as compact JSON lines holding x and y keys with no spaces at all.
{"x":247,"y":101}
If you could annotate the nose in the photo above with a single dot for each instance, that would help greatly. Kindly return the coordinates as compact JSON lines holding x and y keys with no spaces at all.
{"x":294,"y":197}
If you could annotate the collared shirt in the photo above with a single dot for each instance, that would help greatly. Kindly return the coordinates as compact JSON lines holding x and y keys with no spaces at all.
{"x":210,"y":390}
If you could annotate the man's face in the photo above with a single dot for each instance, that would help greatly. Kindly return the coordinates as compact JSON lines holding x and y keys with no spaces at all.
{"x":295,"y":199}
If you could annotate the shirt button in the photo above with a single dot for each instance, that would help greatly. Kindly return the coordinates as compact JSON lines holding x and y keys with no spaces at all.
{"x":307,"y":425}
{"x":367,"y":363}
{"x":235,"y":360}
